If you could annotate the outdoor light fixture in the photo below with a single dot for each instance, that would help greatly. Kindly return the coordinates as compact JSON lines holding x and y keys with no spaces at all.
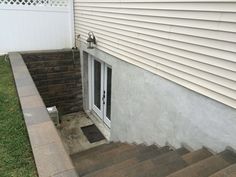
{"x":91,"y":40}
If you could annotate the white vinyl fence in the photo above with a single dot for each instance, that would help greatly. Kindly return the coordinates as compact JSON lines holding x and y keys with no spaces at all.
{"x":35,"y":25}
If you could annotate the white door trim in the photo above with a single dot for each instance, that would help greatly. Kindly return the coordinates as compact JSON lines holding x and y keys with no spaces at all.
{"x":102,"y":111}
{"x":106,"y":119}
{"x":94,"y":107}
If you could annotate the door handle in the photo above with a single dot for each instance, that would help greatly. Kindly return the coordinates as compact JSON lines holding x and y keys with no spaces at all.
{"x":103,"y":97}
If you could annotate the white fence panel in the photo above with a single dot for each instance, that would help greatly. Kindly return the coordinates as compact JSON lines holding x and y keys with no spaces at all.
{"x":35,"y":25}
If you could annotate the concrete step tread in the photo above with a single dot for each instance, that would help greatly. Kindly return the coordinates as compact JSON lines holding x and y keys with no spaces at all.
{"x":105,"y":159}
{"x":203,"y":168}
{"x":110,"y":170}
{"x":196,"y":156}
{"x":96,"y":150}
{"x":148,"y":152}
{"x":228,"y":156}
{"x":161,"y":165}
{"x":226,"y":172}
{"x":140,"y":154}
{"x":182,"y":151}
{"x":165,"y":165}
{"x":128,"y":160}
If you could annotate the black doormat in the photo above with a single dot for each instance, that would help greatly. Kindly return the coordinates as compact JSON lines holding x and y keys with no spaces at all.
{"x":92,"y":133}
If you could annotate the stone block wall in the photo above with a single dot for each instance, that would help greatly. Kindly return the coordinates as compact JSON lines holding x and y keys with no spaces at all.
{"x":57,"y":76}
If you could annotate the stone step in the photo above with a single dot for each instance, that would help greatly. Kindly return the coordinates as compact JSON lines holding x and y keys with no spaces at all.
{"x":206,"y":167}
{"x":161,"y":165}
{"x":127,"y":160}
{"x":151,"y":152}
{"x":165,"y":165}
{"x":196,"y":156}
{"x":141,"y":155}
{"x":95,"y":151}
{"x":110,"y":170}
{"x":102,"y":160}
{"x":226,"y":172}
{"x":229,"y":156}
{"x":182,"y":151}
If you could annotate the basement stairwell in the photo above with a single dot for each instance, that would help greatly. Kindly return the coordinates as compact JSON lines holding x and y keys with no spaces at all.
{"x":129,"y":160}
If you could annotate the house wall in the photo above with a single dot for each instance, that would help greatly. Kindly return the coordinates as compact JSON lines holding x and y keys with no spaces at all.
{"x":189,"y":42}
{"x":146,"y":108}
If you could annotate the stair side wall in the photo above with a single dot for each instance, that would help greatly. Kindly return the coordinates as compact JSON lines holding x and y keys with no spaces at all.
{"x":57,"y":76}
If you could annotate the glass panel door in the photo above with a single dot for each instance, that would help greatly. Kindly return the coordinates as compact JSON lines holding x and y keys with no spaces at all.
{"x":107,"y":86}
{"x":97,"y":87}
{"x":97,"y":84}
{"x":101,"y":77}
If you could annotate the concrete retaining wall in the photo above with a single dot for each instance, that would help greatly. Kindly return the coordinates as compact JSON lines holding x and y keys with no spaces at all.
{"x":50,"y":156}
{"x":58,"y":78}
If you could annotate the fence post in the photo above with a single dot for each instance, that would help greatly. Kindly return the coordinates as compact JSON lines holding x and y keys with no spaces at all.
{"x":72,"y":22}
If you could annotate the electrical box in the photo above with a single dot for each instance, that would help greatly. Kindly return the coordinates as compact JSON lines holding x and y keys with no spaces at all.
{"x":53,"y":113}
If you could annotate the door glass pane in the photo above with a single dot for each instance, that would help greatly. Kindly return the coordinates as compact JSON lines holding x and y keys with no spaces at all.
{"x":108,"y":110}
{"x":97,"y":84}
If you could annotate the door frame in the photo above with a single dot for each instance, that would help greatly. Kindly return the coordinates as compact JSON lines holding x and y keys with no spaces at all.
{"x":105,"y":118}
{"x":101,"y":113}
{"x":98,"y":111}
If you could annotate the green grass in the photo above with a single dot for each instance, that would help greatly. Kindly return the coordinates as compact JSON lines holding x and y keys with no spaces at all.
{"x":16,"y":157}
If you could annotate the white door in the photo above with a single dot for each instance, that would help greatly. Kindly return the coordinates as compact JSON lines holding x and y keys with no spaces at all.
{"x":100,"y":83}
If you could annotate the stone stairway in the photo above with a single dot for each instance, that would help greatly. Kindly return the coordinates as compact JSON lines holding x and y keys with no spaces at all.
{"x":127,"y":160}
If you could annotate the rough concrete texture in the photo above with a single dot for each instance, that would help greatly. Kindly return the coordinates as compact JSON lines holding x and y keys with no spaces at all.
{"x":71,"y":134}
{"x":149,"y":109}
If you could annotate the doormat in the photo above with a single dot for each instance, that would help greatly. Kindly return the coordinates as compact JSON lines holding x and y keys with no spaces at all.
{"x":92,"y":133}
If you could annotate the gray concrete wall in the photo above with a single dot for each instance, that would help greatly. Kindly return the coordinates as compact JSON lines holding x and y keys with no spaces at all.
{"x":149,"y":109}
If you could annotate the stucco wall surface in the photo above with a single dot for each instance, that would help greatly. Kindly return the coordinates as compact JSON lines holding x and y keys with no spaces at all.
{"x":147,"y":108}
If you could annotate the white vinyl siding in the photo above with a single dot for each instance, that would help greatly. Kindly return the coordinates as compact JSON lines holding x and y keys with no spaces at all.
{"x":190,"y":42}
